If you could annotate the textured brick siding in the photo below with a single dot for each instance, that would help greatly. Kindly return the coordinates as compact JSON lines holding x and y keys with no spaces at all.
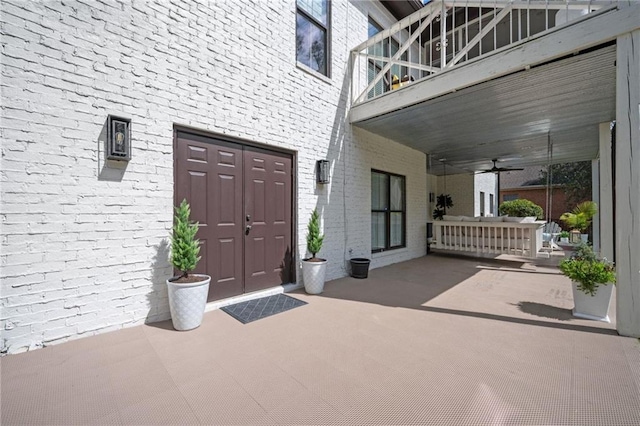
{"x":539,"y":196}
{"x":84,"y":241}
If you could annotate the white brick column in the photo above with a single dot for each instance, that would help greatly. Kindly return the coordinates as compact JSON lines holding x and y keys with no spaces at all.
{"x":605,"y":190}
{"x":627,"y":204}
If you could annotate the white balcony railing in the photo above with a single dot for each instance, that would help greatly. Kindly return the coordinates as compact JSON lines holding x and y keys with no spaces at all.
{"x":425,"y":43}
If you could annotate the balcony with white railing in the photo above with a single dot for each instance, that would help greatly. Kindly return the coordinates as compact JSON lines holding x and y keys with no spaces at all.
{"x":447,"y":34}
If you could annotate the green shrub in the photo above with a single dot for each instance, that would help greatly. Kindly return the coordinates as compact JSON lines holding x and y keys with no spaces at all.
{"x":184,"y":246}
{"x":314,"y":239}
{"x":587,"y":270}
{"x":520,"y":208}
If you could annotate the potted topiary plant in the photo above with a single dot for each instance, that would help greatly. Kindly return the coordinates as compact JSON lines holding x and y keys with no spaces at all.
{"x":187,"y":291}
{"x":314,"y":268}
{"x":591,"y":278}
{"x":564,"y":236}
{"x":580,"y":219}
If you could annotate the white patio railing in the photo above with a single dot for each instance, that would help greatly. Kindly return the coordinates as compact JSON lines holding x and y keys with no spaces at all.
{"x":447,"y":33}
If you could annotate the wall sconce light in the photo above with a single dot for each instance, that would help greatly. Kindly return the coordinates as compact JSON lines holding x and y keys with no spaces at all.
{"x":322,"y":171}
{"x":118,"y":138}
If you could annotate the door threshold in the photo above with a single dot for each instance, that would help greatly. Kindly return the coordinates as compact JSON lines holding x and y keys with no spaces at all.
{"x":283,"y":288}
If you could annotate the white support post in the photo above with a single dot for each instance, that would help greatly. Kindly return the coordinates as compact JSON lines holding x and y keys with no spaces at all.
{"x":595,"y":196}
{"x":627,"y":202}
{"x":605,"y":204}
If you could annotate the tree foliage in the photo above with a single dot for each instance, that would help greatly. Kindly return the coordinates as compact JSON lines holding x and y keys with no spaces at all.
{"x":520,"y":208}
{"x":184,"y":246}
{"x":576,"y":178}
{"x":314,"y":238}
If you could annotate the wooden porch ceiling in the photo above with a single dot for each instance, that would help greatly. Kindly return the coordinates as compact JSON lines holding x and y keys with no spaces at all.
{"x":511,"y":118}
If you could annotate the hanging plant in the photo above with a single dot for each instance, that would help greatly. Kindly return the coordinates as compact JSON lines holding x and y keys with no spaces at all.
{"x":443,"y":202}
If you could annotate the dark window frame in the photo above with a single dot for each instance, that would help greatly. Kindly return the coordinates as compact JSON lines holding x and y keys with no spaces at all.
{"x":327,"y":33}
{"x":388,"y":212}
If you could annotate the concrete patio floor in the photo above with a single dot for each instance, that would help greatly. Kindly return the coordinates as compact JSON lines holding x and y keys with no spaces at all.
{"x":436,"y":340}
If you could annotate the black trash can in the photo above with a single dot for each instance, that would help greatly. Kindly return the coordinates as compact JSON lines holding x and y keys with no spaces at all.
{"x":360,"y":267}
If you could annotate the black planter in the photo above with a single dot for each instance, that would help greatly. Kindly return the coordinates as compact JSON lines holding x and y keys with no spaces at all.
{"x":360,"y":267}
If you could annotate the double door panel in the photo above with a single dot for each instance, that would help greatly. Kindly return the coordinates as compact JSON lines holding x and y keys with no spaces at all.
{"x":241,"y":197}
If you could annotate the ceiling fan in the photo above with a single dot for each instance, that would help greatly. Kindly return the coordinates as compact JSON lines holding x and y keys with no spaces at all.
{"x":496,"y":169}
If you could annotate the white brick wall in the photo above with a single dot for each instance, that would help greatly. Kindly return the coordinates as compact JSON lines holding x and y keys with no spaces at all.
{"x":484,"y":182}
{"x":465,"y":192}
{"x":83,"y":242}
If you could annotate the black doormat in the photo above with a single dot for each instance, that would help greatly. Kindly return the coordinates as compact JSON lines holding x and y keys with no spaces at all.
{"x":253,"y":310}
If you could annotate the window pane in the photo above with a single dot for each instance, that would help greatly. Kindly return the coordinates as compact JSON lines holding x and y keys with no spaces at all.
{"x":397,"y":193}
{"x":396,"y":229}
{"x":315,"y":8}
{"x":379,"y":191}
{"x":374,"y":28}
{"x":378,"y":234}
{"x":311,"y":45}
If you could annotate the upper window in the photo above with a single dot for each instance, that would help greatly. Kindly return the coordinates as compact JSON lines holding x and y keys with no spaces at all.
{"x":509,"y":197}
{"x":388,"y":211}
{"x":312,"y":34}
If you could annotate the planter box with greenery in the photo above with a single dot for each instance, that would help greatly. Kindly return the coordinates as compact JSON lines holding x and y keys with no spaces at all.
{"x":580,"y":219}
{"x":314,"y":268}
{"x":592,"y":283}
{"x":187,"y":292}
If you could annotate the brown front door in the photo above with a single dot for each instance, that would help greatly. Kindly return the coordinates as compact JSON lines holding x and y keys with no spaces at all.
{"x":241,"y":197}
{"x":267,"y":189}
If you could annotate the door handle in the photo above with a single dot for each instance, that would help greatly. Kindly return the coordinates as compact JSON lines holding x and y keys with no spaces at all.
{"x":247,"y":229}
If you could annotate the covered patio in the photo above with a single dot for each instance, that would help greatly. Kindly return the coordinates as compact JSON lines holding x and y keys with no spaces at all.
{"x":518,"y":84}
{"x":436,"y":340}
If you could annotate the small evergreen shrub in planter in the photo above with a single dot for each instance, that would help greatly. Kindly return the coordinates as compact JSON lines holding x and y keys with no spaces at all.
{"x":314,"y":268}
{"x":187,"y":292}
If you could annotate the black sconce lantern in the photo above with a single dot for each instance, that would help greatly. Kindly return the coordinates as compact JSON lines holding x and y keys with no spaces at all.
{"x":322,"y":171}
{"x":118,"y":138}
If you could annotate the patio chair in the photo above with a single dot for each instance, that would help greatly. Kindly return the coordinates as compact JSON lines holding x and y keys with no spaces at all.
{"x":550,"y":233}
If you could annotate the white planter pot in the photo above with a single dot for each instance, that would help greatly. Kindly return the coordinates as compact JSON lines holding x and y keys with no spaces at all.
{"x":594,"y":307}
{"x":313,"y":276}
{"x":187,"y":302}
{"x":564,"y":240}
{"x":584,"y":238}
